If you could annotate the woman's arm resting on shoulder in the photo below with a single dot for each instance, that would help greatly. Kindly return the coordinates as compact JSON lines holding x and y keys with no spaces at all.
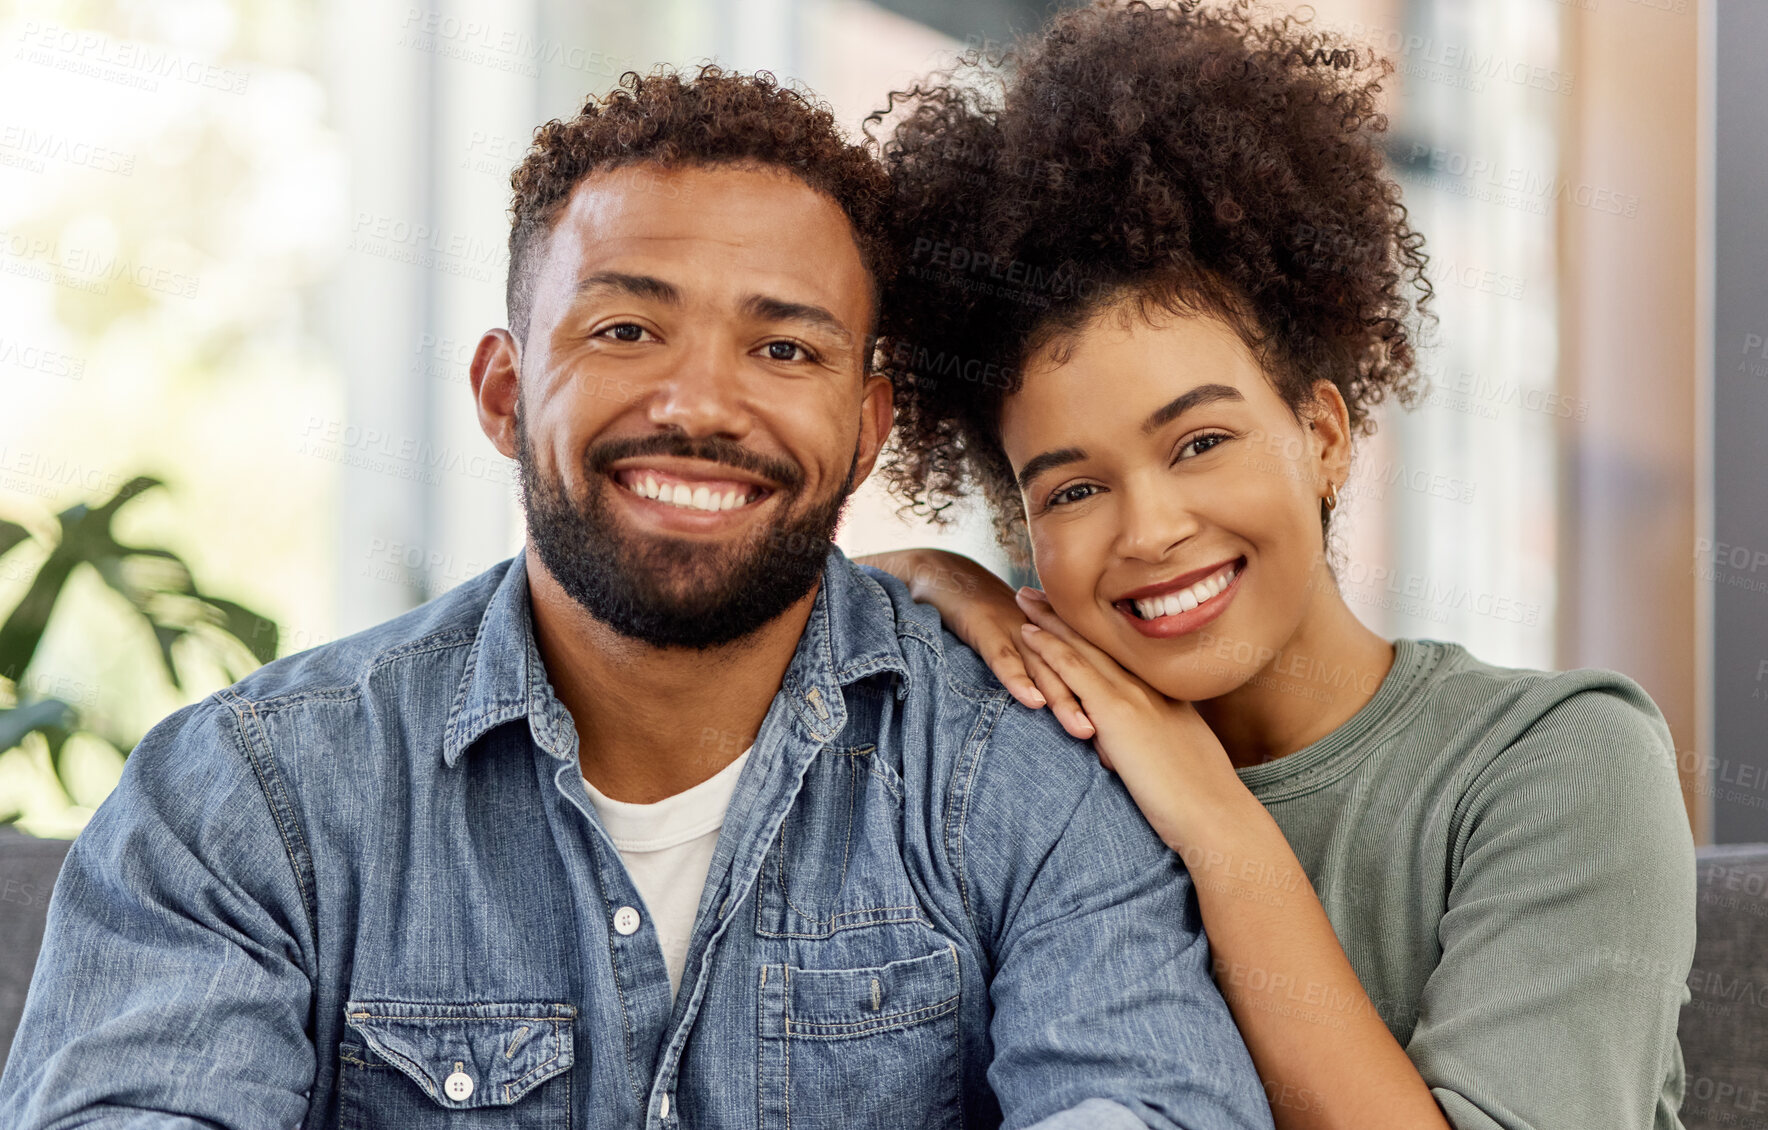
{"x":978,"y":608}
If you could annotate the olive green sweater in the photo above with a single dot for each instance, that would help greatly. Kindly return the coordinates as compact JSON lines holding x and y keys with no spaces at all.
{"x":1505,"y":857}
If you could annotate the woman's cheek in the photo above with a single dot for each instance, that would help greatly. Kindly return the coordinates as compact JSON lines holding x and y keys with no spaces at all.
{"x":1067,"y":566}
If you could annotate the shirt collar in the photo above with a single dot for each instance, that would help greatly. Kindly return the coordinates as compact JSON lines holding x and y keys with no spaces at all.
{"x":504,"y":677}
{"x":851,"y":634}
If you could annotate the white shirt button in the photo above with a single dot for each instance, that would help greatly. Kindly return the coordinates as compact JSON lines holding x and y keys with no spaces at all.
{"x":459,"y":1086}
{"x":626,"y":920}
{"x":664,"y":1109}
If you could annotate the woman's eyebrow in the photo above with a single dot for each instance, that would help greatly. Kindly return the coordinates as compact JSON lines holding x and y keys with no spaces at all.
{"x":1184,"y":402}
{"x":1165,"y":414}
{"x":1038,"y":464}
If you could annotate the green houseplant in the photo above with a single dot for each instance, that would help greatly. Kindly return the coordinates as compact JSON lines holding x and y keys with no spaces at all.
{"x":153,"y":581}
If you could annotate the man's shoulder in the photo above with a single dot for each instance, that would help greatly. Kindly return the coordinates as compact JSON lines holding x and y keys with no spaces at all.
{"x":937,"y":660}
{"x":342,"y":668}
{"x":1026,"y":749}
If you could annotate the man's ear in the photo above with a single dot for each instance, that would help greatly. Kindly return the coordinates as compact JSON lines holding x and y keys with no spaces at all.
{"x":496,"y":373}
{"x":875,"y":419}
{"x":1329,"y":422}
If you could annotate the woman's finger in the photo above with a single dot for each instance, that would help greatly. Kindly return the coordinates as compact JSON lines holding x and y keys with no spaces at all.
{"x":1038,"y":610}
{"x":1089,"y":684}
{"x":1063,"y":703}
{"x":1049,"y":684}
{"x":994,"y":635}
{"x":1007,"y":661}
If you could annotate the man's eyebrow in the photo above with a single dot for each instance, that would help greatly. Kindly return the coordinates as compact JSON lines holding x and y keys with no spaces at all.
{"x":1038,"y":464}
{"x":766,"y":309}
{"x":632,"y":286}
{"x":1183,"y":403}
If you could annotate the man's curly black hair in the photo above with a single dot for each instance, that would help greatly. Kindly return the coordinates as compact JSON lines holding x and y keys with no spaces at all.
{"x":711,"y":118}
{"x":1177,"y":158}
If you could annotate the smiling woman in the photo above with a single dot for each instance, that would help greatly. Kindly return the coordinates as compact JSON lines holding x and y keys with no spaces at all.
{"x":1395,"y":845}
{"x":1199,"y":496}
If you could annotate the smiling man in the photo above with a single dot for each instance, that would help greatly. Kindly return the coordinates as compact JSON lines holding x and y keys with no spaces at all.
{"x":675,"y":818}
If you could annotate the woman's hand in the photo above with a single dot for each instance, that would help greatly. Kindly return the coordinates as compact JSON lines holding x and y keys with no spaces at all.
{"x":1167,"y":756}
{"x":979,"y":609}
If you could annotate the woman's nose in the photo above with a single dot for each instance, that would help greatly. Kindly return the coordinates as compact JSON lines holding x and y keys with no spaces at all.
{"x":1153,"y":519}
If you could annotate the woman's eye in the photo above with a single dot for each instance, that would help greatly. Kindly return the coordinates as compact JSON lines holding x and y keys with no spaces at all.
{"x":1071,"y":494}
{"x":786,"y":351}
{"x":1201,"y":444}
{"x":626,"y":331}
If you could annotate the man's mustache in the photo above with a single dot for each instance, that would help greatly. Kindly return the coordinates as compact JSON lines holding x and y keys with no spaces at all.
{"x":714,"y":449}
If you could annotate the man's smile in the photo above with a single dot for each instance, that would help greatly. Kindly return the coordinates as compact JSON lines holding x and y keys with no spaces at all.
{"x":694,"y":483}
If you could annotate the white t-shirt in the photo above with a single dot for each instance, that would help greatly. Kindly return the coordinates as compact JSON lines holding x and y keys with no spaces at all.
{"x":667,"y":847}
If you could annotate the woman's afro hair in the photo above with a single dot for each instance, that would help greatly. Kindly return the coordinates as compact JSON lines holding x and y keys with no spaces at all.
{"x":1173,"y":157}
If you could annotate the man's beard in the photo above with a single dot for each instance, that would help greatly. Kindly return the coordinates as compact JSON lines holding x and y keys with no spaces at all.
{"x":674,"y":591}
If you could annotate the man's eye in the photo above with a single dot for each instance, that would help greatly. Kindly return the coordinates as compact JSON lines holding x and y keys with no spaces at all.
{"x":626,"y":331}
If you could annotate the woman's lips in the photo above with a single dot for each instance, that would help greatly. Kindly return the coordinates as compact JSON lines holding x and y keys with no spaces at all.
{"x":1186,"y":620}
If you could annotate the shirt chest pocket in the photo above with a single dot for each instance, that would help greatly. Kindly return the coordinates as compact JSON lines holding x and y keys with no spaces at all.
{"x":861,"y":1049}
{"x":836,"y":863}
{"x":467,"y":1065}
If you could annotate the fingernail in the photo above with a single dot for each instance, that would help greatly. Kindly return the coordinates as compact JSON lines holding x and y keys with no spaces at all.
{"x":1037,"y":699}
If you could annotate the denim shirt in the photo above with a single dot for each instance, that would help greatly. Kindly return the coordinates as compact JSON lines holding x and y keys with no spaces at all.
{"x":364,"y":887}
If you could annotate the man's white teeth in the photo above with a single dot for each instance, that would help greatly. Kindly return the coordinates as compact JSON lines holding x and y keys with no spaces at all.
{"x":1184,"y":600}
{"x":678,"y":494}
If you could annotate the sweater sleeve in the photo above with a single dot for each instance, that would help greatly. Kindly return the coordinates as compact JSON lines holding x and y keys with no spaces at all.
{"x":1569,"y":930}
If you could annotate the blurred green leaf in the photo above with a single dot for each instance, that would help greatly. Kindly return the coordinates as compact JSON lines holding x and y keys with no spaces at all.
{"x":259,"y":633}
{"x":43,"y":714}
{"x":157,"y":584}
{"x":24,"y":629}
{"x":11,"y":535}
{"x":52,"y":718}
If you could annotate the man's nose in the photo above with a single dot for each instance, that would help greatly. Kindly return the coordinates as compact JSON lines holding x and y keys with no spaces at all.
{"x":703,"y":393}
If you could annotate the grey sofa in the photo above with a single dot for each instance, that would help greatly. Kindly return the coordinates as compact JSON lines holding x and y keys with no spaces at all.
{"x":1724,"y":1029}
{"x":28,"y":867}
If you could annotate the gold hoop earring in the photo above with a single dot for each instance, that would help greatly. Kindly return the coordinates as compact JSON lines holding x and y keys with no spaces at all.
{"x":1331,"y":496}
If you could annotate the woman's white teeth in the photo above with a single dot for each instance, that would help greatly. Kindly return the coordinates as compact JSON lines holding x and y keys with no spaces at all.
{"x":1184,"y":600}
{"x":678,"y":494}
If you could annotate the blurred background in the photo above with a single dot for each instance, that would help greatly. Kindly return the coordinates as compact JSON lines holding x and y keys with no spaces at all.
{"x":247,"y":247}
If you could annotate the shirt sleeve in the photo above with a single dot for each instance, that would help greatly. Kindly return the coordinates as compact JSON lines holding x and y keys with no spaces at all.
{"x":171,"y":990}
{"x":1105,"y":1013}
{"x":1569,"y":930}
